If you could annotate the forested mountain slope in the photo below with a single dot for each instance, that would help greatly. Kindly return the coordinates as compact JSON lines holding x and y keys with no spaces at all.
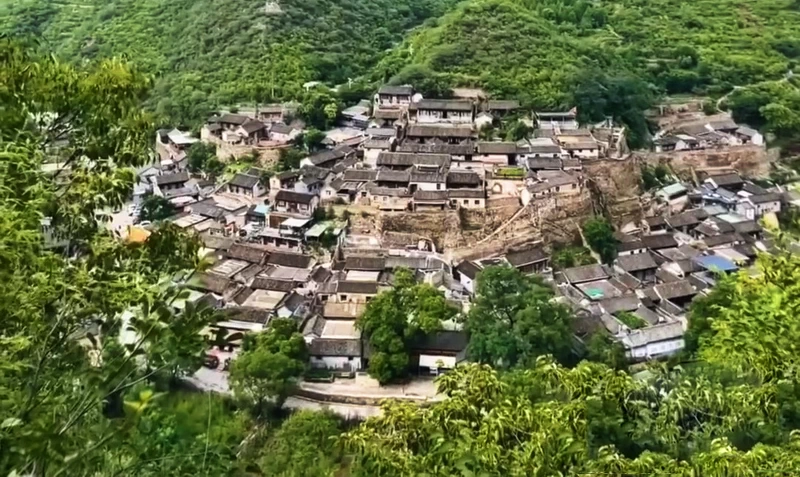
{"x":208,"y":52}
{"x":539,"y":49}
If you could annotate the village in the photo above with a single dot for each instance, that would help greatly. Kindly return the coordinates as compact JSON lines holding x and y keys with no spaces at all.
{"x":312,"y":243}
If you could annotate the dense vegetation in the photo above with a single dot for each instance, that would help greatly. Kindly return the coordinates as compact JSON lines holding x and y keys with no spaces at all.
{"x":205,"y":53}
{"x":537,"y":49}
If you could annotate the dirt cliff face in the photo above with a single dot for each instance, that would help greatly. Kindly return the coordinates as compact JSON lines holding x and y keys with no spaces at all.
{"x":748,"y":160}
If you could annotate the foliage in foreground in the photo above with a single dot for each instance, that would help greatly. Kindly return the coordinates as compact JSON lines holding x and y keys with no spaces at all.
{"x":550,"y":420}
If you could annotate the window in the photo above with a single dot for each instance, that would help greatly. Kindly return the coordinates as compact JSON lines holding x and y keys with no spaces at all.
{"x":349,"y":358}
{"x":477,"y":202}
{"x":574,"y":186}
{"x":281,"y":204}
{"x":303,"y":207}
{"x":343,"y":297}
{"x":327,"y":192}
{"x":438,"y":186}
{"x":466,"y":202}
{"x":558,"y":188}
{"x":368,"y":298}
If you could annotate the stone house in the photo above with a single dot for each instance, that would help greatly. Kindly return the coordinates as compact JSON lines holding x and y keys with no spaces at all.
{"x":296,"y":202}
{"x":428,"y":111}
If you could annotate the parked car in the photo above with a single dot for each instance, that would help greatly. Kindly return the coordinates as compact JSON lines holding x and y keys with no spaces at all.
{"x":211,"y":361}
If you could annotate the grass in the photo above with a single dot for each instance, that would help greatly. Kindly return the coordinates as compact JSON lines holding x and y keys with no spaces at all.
{"x":630,"y":320}
{"x":515,"y":172}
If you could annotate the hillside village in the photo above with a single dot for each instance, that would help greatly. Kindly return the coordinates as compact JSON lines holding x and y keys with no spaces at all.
{"x":288,"y":244}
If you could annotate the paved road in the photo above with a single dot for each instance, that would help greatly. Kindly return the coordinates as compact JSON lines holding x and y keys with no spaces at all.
{"x":217,"y":381}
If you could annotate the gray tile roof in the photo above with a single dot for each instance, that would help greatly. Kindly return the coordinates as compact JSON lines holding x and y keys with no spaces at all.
{"x":526,"y":257}
{"x":365,"y":263}
{"x":245,"y":181}
{"x":248,"y":252}
{"x":335,"y":347}
{"x":287,"y":259}
{"x":585,"y":273}
{"x":295,"y":197}
{"x":363,"y":288}
{"x":168,"y":179}
{"x":636,"y":262}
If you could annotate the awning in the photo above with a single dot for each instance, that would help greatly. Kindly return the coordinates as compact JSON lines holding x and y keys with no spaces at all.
{"x":433,"y":361}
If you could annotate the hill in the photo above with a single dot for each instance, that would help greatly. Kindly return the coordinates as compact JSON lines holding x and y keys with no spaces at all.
{"x":206,"y":53}
{"x":539,"y":50}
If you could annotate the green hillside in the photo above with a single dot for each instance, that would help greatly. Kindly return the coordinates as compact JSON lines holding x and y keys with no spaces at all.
{"x":208,"y":52}
{"x":539,"y":49}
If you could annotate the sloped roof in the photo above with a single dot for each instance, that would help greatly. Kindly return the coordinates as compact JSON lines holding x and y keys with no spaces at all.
{"x":404,"y":90}
{"x":230,"y":118}
{"x":365,"y":263}
{"x":247,"y":252}
{"x":330,"y":155}
{"x":585,"y":273}
{"x":433,"y":148}
{"x":448,"y":341}
{"x":467,"y":193}
{"x":429,"y":130}
{"x":623,"y":303}
{"x":636,"y":262}
{"x":360,"y":175}
{"x":245,"y":181}
{"x":292,"y":196}
{"x":210,"y":282}
{"x":406,"y":159}
{"x":497,"y":148}
{"x":677,"y":289}
{"x":335,"y":347}
{"x":364,"y":288}
{"x":442,"y":104}
{"x":658,"y":241}
{"x":431,"y":195}
{"x":266,"y":283}
{"x":253,"y":125}
{"x":457,"y":177}
{"x":393,"y":176}
{"x":287,"y":259}
{"x":536,"y":163}
{"x":167,"y":179}
{"x":526,"y":257}
{"x":468,"y":269}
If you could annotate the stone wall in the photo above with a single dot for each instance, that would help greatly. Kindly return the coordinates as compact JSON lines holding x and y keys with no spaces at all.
{"x":225,"y":151}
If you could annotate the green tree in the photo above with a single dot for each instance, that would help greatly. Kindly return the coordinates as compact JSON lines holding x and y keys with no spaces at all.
{"x":303,"y":445}
{"x":289,"y":159}
{"x":600,"y":236}
{"x":426,"y":82}
{"x":571,"y":256}
{"x":394,"y":318}
{"x":267,"y":372}
{"x":602,"y":348}
{"x":513,"y":320}
{"x":199,"y":154}
{"x":518,"y":130}
{"x":65,"y":371}
{"x":624,"y":98}
{"x":747,"y":324}
{"x":214,"y":167}
{"x":156,"y":207}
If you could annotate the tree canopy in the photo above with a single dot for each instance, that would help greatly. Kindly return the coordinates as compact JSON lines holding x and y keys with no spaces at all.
{"x":394,"y":318}
{"x":269,"y":367}
{"x":599,"y":235}
{"x":512,"y":320}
